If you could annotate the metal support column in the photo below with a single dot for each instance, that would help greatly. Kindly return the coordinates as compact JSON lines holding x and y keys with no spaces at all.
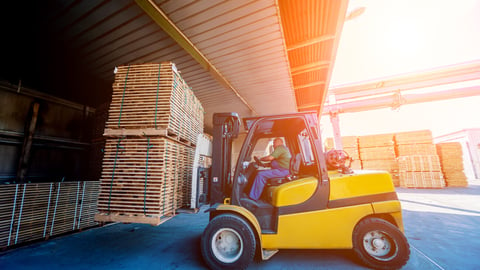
{"x":337,"y":137}
{"x":335,"y":120}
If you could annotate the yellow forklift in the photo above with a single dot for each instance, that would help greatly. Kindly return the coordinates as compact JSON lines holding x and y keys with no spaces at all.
{"x":322,"y":204}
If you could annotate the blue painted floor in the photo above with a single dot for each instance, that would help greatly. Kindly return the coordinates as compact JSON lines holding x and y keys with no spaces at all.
{"x":442,"y":226}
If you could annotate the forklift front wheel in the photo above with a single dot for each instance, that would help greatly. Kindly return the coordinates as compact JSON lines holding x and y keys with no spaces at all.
{"x":380,"y":245}
{"x":228,"y":242}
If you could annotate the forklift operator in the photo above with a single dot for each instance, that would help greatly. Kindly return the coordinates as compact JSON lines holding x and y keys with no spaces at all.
{"x":280,"y":163}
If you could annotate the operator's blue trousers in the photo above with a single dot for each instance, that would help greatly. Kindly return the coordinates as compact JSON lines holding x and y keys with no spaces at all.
{"x":262,"y":176}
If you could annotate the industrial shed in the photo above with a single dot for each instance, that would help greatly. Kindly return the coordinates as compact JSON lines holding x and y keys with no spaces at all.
{"x":250,"y":57}
{"x":64,"y":62}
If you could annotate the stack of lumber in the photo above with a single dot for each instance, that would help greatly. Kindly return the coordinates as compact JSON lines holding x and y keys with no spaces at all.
{"x":420,"y":171}
{"x":377,"y":152}
{"x":153,"y":99}
{"x":350,"y":145}
{"x":37,"y":211}
{"x":451,"y":159}
{"x":415,"y":143}
{"x":153,"y":123}
{"x":419,"y":165}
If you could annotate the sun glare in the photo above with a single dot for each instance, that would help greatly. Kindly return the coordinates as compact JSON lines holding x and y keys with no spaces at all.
{"x":393,"y":37}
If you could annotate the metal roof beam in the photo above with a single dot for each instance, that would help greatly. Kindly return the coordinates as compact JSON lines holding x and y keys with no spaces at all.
{"x":311,"y":42}
{"x":397,"y":99}
{"x":309,"y":85}
{"x":308,"y":107}
{"x":434,"y":77}
{"x":172,"y":30}
{"x":314,"y":66}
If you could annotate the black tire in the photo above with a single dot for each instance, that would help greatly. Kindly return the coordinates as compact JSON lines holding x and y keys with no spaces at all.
{"x":224,"y":232}
{"x":380,"y":245}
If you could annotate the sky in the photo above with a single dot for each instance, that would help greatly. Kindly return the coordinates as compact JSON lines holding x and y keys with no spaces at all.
{"x":394,"y":37}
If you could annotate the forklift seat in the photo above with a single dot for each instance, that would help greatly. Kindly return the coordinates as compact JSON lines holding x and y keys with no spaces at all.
{"x":294,"y":169}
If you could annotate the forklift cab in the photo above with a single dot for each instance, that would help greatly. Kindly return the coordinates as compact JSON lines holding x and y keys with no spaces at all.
{"x":305,"y":188}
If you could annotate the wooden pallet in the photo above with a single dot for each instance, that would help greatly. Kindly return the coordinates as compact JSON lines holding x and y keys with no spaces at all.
{"x":154,"y":220}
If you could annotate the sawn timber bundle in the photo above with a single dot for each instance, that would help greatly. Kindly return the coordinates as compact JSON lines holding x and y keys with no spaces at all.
{"x":36,"y":211}
{"x":153,"y":99}
{"x":144,"y":178}
{"x":153,"y":123}
{"x":451,"y":158}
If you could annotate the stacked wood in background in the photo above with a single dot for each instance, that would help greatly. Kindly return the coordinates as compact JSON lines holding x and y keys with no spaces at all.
{"x":420,"y":171}
{"x":350,"y":145}
{"x":377,"y":152}
{"x":418,"y":161}
{"x":410,"y":157}
{"x":31,"y":212}
{"x":153,"y":123}
{"x":451,"y":158}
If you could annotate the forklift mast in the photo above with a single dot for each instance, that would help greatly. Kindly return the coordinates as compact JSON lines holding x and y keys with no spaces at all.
{"x":226,"y":127}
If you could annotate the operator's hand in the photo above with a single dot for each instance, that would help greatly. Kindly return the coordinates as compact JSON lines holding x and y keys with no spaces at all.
{"x":257,"y":161}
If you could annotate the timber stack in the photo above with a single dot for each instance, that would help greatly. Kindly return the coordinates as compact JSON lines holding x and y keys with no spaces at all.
{"x":418,"y":161}
{"x":451,"y":158}
{"x":377,"y":152}
{"x":153,"y":122}
{"x":37,"y":211}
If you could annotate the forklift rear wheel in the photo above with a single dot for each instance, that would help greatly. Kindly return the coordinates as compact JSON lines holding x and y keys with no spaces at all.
{"x":380,"y":245}
{"x":228,"y":242}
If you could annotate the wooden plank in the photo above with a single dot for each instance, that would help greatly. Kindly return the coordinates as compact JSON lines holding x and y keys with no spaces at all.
{"x":153,"y":220}
{"x":138,"y":132}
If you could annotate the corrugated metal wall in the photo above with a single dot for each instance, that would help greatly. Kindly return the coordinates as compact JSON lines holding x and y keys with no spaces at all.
{"x":61,"y":140}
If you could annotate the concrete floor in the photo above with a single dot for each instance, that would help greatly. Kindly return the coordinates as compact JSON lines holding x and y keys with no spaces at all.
{"x":442,"y":226}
